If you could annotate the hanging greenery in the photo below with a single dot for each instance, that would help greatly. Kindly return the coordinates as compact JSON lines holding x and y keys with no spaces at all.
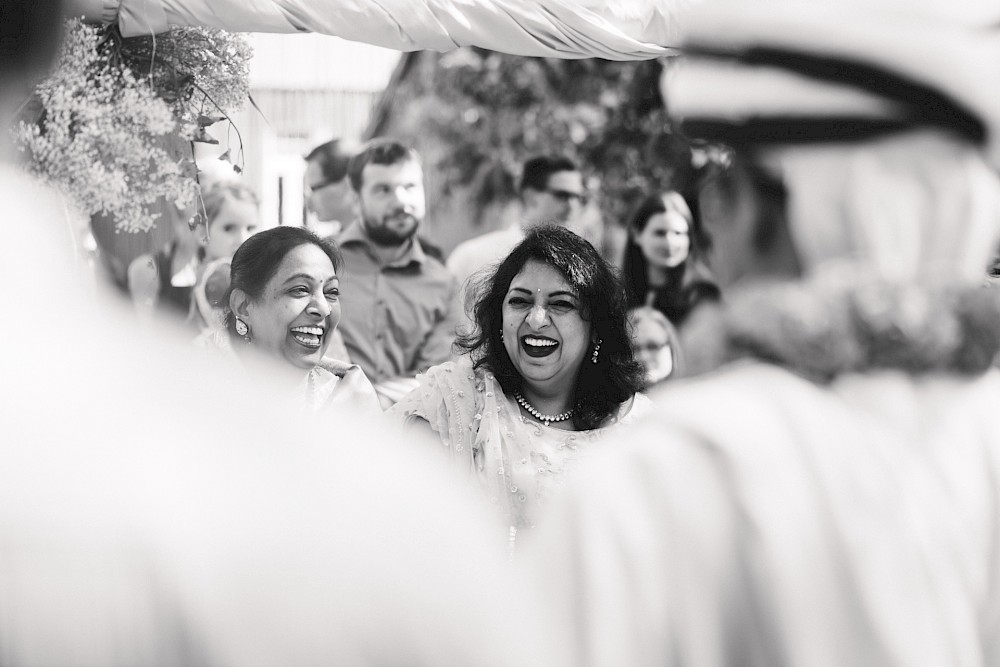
{"x":105,"y":125}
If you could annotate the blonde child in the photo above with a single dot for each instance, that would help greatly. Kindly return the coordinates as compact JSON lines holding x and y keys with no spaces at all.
{"x":232,"y":215}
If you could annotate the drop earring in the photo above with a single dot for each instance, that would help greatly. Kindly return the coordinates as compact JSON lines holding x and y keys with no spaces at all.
{"x":597,"y":349}
{"x":242,"y":329}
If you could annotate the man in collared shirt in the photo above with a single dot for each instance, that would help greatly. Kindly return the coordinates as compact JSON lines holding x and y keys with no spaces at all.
{"x":399,"y":303}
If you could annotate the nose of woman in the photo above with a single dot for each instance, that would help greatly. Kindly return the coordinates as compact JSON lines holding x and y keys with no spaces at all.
{"x":537,"y":316}
{"x":318,"y":305}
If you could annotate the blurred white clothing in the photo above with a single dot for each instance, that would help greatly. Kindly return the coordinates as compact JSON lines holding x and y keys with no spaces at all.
{"x":154,"y":512}
{"x":757,"y":519}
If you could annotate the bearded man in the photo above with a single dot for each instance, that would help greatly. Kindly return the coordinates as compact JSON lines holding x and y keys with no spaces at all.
{"x":399,"y":303}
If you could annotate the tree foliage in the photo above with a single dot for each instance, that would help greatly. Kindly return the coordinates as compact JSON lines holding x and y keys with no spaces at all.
{"x":492,"y":111}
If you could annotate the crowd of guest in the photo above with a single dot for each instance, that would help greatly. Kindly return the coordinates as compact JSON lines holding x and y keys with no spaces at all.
{"x":831,"y":499}
{"x":522,"y":349}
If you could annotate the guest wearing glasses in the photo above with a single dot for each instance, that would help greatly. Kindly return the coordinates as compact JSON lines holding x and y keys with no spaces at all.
{"x":330,"y":202}
{"x":551,"y":191}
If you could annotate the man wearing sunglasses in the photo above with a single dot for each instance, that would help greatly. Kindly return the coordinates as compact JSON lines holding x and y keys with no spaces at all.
{"x":552,"y":192}
{"x":330,"y":203}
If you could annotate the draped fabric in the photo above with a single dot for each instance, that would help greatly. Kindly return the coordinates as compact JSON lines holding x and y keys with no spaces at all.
{"x":618,"y":30}
{"x":794,"y":71}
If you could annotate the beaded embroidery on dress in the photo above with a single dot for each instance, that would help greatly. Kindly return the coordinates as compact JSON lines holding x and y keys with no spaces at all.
{"x":517,"y":461}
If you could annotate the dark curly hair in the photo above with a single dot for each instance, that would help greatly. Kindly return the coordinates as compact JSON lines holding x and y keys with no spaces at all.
{"x":601,"y":387}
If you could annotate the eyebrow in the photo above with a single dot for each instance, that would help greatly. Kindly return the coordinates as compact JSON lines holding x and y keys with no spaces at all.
{"x":389,"y":184}
{"x":551,"y":294}
{"x":308,"y":278}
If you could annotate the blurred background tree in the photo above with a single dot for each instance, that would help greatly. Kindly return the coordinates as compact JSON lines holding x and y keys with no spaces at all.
{"x":476,"y":115}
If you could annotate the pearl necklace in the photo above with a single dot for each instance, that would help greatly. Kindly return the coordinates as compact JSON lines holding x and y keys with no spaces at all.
{"x":545,"y":419}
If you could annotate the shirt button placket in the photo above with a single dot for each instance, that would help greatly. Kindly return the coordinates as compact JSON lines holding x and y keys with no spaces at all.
{"x":379,"y":320}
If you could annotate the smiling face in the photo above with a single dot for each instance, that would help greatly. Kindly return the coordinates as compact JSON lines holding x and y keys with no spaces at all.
{"x":236,"y":221}
{"x":665,"y":241}
{"x":392,"y":201}
{"x":544,"y":332}
{"x":299,"y":309}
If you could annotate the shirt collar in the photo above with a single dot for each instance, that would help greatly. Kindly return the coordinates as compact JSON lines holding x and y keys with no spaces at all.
{"x":355,"y":234}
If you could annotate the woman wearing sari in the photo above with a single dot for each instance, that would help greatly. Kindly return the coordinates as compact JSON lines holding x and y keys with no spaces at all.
{"x":284,"y":306}
{"x":547,"y":374}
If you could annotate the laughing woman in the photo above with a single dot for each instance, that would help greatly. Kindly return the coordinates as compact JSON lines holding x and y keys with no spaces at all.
{"x":547,"y":372}
{"x":284,"y":302}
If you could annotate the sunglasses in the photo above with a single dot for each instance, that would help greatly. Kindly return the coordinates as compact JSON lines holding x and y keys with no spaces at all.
{"x":309,"y":188}
{"x":565,"y":196}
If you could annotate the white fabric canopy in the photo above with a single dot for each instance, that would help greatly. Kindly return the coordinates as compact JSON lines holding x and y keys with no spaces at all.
{"x":619,"y":30}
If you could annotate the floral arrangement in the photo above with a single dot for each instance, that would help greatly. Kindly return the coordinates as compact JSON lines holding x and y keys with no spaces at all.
{"x":113,"y":124}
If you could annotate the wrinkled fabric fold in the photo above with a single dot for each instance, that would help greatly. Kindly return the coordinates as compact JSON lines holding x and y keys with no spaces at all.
{"x":624,"y":30}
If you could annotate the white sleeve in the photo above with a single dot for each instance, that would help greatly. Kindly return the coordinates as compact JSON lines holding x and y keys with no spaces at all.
{"x":638,"y":559}
{"x":619,"y":30}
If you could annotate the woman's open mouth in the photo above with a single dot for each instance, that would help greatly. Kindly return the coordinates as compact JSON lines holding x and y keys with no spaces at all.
{"x":538,"y":346}
{"x":311,"y":337}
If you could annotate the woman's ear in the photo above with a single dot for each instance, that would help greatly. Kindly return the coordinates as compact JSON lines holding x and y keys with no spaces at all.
{"x":239,"y":303}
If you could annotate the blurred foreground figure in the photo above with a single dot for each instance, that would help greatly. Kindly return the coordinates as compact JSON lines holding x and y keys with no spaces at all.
{"x":832,"y":496}
{"x":154,"y":513}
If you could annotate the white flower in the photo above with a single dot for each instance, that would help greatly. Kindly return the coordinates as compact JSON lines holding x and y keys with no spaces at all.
{"x":106,"y":117}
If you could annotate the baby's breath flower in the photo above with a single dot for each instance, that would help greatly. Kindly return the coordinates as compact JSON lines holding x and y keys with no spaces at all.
{"x":106,"y":117}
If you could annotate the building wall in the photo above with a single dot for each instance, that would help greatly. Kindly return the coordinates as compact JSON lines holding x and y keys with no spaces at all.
{"x":309,"y":89}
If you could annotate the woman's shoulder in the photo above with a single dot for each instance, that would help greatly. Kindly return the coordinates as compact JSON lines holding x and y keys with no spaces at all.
{"x":703,"y":290}
{"x":637,"y":406}
{"x":456,"y":371}
{"x":700,"y":281}
{"x":630,"y":410}
{"x":454,"y":388}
